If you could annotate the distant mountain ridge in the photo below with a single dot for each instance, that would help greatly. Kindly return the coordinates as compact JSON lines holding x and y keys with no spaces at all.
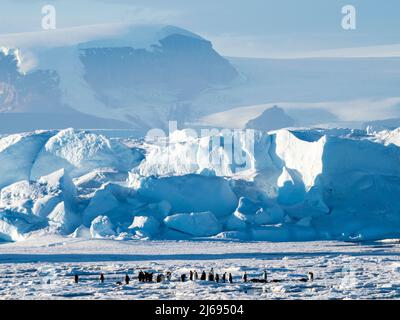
{"x":271,"y":119}
{"x":136,"y":79}
{"x":140,"y":77}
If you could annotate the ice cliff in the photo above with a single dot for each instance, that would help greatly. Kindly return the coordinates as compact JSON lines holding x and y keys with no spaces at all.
{"x":283,"y":185}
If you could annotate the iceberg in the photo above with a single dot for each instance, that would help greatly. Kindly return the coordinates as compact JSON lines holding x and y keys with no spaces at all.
{"x":145,"y":227}
{"x":297,"y":185}
{"x":101,"y":227}
{"x":80,"y":152}
{"x":198,"y":224}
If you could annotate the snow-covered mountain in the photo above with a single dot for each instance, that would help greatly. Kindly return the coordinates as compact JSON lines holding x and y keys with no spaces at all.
{"x":138,"y":78}
{"x":271,"y":119}
{"x":141,"y":76}
{"x":380,"y":125}
{"x":33,"y":100}
{"x":279,"y":186}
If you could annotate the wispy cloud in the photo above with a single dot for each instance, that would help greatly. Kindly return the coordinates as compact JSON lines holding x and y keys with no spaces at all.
{"x":266,"y":47}
{"x":25,"y":16}
{"x":382,"y":51}
{"x":61,"y":37}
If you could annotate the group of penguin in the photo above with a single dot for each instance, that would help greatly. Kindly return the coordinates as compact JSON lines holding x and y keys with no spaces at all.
{"x":194,"y":276}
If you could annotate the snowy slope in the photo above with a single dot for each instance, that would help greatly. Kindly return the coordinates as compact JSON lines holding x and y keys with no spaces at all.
{"x":288,"y":186}
{"x":357,"y":114}
{"x":138,"y":77}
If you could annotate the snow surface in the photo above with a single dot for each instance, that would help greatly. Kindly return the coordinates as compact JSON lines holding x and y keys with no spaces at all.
{"x":44,"y":269}
{"x":285,"y":185}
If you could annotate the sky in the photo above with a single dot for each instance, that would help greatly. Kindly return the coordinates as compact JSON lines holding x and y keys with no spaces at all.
{"x":252,"y":28}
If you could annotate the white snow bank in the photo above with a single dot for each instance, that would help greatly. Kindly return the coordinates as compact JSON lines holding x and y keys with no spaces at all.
{"x":183,"y":153}
{"x":249,"y":214}
{"x":101,"y":227}
{"x":39,"y":198}
{"x":294,"y":186}
{"x":190,"y":193}
{"x":14,"y":226}
{"x":51,"y":200}
{"x":388,"y":137}
{"x":64,"y":219}
{"x":98,"y":177}
{"x":80,"y":152}
{"x":10,"y":231}
{"x":114,"y":201}
{"x":59,"y":182}
{"x":17,"y":153}
{"x":302,"y":157}
{"x":199,"y":224}
{"x":81,"y":232}
{"x":145,"y":226}
{"x":103,"y":201}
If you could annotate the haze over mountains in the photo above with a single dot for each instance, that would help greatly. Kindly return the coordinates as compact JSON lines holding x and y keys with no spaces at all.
{"x":136,"y":80}
{"x":139,"y":77}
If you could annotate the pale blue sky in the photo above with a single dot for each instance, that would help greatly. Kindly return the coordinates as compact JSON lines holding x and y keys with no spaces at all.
{"x":237,"y":28}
